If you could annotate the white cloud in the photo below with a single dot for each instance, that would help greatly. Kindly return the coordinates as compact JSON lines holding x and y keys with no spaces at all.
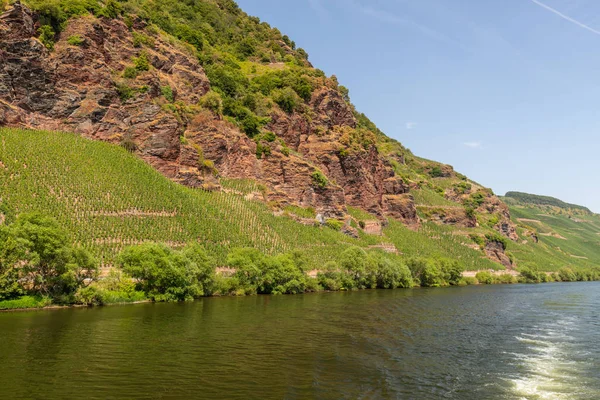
{"x":566,"y":17}
{"x":411,"y":125}
{"x":473,"y":145}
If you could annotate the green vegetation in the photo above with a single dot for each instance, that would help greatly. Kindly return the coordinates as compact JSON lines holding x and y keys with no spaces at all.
{"x":552,"y":241}
{"x":37,"y":260}
{"x":319,"y":179}
{"x":75,"y":40}
{"x":536,"y":200}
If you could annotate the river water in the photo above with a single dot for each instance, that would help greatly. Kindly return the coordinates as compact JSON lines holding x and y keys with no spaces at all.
{"x":484,"y":342}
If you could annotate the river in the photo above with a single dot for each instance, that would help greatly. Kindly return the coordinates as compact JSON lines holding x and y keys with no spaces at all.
{"x":479,"y":342}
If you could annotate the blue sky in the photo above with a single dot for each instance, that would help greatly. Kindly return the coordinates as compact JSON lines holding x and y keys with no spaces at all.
{"x":506,"y":91}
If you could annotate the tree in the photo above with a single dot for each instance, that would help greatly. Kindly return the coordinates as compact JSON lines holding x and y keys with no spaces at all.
{"x":354,"y":261}
{"x":35,"y":248}
{"x":164,"y":274}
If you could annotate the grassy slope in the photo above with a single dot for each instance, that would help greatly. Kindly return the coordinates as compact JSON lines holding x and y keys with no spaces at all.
{"x":109,"y":199}
{"x":563,"y":239}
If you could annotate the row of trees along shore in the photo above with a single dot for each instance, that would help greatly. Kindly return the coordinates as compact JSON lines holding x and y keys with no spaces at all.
{"x":39,"y":267}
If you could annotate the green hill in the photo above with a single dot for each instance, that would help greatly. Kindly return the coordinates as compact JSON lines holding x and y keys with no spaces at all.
{"x":562,"y":239}
{"x":109,"y":199}
{"x":550,"y":202}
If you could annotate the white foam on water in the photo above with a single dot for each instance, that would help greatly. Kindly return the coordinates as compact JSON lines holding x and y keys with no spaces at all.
{"x":548,"y":370}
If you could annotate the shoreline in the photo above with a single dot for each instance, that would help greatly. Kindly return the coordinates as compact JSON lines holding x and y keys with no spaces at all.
{"x":63,"y":307}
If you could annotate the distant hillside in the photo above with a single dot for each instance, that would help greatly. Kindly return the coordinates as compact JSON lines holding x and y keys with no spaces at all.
{"x":554,"y":237}
{"x":533,"y":199}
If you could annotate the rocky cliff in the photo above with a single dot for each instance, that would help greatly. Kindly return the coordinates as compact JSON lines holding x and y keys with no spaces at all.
{"x":79,"y":88}
{"x":124,"y":80}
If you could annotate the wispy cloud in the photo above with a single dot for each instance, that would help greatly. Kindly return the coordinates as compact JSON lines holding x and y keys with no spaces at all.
{"x":566,"y":17}
{"x":473,"y":145}
{"x":388,"y":17}
{"x":411,"y":125}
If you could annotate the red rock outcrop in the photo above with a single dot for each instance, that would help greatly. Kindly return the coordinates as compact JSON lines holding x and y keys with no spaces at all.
{"x":82,"y":88}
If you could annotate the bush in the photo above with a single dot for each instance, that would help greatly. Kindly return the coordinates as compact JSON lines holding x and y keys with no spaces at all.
{"x":257,"y":273}
{"x":451,"y":271}
{"x":467,"y":281}
{"x":75,"y":40}
{"x":25,"y":302}
{"x":484,"y":277}
{"x":167,"y":275}
{"x":566,"y":275}
{"x":112,"y":9}
{"x":319,"y":179}
{"x":142,"y":62}
{"x":530,"y":274}
{"x":334,"y":224}
{"x":167,"y":92}
{"x":391,"y":272}
{"x":140,"y":40}
{"x":47,"y":36}
{"x":213,"y":102}
{"x":436,"y":172}
{"x":353,"y":261}
{"x":287,"y":99}
{"x":130,"y":73}
{"x":432,"y":276}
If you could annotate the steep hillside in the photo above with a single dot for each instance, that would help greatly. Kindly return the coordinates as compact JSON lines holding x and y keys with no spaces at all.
{"x":554,"y":233}
{"x":208,"y":95}
{"x":108,"y":199}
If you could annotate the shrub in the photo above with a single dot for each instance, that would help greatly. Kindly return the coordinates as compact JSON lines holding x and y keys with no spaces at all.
{"x":566,"y":275}
{"x":75,"y":40}
{"x":140,"y":40}
{"x":391,"y":273}
{"x":142,"y":62}
{"x":47,"y":36}
{"x":334,"y":224}
{"x":287,"y":99}
{"x":436,"y":172}
{"x":530,"y":274}
{"x":432,"y":276}
{"x":485,"y":277}
{"x":467,"y":281}
{"x":167,"y":275}
{"x":130,"y":73}
{"x":354,"y":262}
{"x":167,"y":92}
{"x":25,"y":302}
{"x":262,"y":150}
{"x":451,"y":271}
{"x":319,"y":179}
{"x":128,"y":144}
{"x":112,"y":9}
{"x":213,"y":102}
{"x":480,"y":240}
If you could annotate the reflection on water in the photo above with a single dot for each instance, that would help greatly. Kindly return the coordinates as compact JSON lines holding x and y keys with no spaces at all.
{"x":492,"y":342}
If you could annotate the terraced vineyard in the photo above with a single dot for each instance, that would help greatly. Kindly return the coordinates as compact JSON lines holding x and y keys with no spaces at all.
{"x":110,"y":199}
{"x":563,"y":239}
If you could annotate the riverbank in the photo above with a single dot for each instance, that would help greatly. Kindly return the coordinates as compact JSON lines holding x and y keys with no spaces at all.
{"x":470,"y":278}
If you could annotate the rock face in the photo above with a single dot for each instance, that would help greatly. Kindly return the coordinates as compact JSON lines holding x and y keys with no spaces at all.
{"x":495,"y":252}
{"x":81,"y":88}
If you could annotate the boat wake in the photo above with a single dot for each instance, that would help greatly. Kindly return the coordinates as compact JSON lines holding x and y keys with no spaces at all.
{"x":551,"y":364}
